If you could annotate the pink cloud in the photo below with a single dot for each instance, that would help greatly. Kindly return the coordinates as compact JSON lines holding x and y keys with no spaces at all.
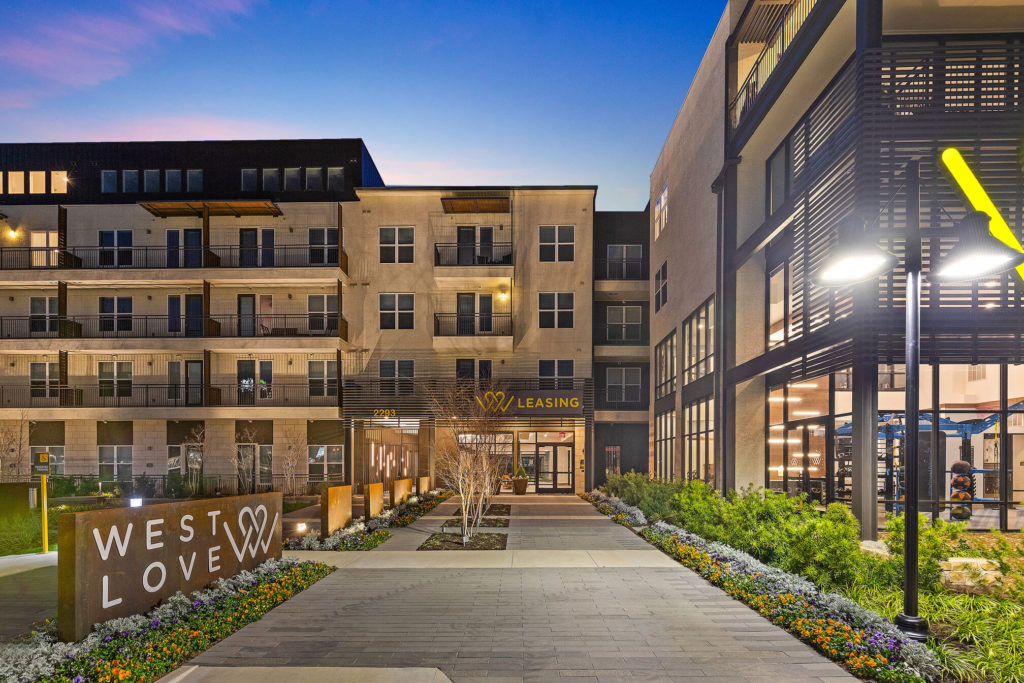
{"x":82,"y":49}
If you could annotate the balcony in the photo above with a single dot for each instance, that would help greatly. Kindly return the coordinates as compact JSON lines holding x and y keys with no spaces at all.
{"x":217,"y":256}
{"x":473,"y":254}
{"x":472,"y":332}
{"x":161,"y":326}
{"x":621,"y":280}
{"x":129,"y":395}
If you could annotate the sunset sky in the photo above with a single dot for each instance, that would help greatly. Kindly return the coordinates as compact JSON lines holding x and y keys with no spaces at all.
{"x":442,"y":92}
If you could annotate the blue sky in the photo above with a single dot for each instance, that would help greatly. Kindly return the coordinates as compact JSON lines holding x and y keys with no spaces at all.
{"x":442,"y":92}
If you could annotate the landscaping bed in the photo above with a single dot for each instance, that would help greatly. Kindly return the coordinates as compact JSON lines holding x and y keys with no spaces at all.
{"x":977,"y":637}
{"x":486,"y":521}
{"x":368,"y":535}
{"x":454,"y":542}
{"x":499,"y":510}
{"x":143,"y":648}
{"x":23,"y":533}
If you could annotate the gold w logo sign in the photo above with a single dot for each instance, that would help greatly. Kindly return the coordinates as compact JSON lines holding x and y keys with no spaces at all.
{"x":495,"y":401}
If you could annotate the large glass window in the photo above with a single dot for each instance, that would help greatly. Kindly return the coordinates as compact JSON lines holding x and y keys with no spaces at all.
{"x":326,"y":463}
{"x":664,"y":443}
{"x":665,"y":366}
{"x":623,"y":385}
{"x":699,"y":342}
{"x":44,"y":379}
{"x":115,"y":379}
{"x":43,"y":315}
{"x":322,"y":377}
{"x":115,"y":463}
{"x":58,"y":182}
{"x":699,"y":440}
{"x":625,"y":262}
{"x":323,"y":246}
{"x":778,"y":179}
{"x":396,"y":376}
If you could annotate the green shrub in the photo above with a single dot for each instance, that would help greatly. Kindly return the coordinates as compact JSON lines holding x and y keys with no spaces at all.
{"x":934,"y":542}
{"x":826,"y":549}
{"x":656,"y":497}
{"x":61,"y":487}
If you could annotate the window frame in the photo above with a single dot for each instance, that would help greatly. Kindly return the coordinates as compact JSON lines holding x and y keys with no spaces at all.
{"x":560,"y":250}
{"x":325,"y":381}
{"x":624,"y":327}
{"x":401,"y":252}
{"x":556,"y":310}
{"x":404,"y":318}
{"x":622,"y":382}
{"x":698,"y":358}
{"x":665,"y":370}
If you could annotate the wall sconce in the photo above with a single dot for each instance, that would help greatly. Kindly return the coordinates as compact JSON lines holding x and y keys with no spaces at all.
{"x":12,"y":233}
{"x":503,"y":296}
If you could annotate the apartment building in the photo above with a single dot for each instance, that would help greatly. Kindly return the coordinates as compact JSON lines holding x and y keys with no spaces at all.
{"x":810,"y":124}
{"x":267,"y":314}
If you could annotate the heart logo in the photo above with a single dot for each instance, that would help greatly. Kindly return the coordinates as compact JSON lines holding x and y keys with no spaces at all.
{"x":495,"y":400}
{"x":253,"y":523}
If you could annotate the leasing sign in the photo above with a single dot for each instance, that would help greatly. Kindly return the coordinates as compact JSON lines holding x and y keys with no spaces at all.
{"x":531,"y":402}
{"x":123,"y":561}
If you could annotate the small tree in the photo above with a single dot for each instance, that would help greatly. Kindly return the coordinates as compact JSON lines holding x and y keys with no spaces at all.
{"x":466,"y":461}
{"x":244,"y":460}
{"x":14,"y":449}
{"x":194,"y":453}
{"x":292,"y":459}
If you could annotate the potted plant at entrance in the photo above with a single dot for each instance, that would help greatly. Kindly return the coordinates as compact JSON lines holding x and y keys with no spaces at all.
{"x":519,"y":482}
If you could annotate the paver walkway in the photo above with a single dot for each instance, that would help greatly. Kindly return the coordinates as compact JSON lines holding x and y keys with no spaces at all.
{"x":478,"y":615}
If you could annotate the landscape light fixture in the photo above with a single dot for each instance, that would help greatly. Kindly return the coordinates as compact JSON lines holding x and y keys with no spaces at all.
{"x":978,"y":254}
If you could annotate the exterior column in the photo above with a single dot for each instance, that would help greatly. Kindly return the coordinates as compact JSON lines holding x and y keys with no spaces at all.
{"x":359,"y":462}
{"x":865,"y":447}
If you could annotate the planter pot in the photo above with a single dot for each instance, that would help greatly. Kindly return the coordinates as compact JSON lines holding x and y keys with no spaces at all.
{"x":519,"y":486}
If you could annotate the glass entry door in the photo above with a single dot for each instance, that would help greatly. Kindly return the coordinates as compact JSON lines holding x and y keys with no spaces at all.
{"x":554,"y":468}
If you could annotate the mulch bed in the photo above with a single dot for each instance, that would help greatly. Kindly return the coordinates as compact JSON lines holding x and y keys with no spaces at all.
{"x":454,"y":542}
{"x":499,"y":510}
{"x":486,"y":521}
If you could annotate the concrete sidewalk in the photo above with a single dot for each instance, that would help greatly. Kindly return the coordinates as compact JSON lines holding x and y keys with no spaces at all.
{"x":574,"y":595}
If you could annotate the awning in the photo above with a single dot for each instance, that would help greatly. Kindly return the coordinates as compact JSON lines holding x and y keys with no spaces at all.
{"x":195,"y":209}
{"x":475,"y":204}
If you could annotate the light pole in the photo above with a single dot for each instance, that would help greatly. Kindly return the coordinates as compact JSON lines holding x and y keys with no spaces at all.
{"x":859,"y":258}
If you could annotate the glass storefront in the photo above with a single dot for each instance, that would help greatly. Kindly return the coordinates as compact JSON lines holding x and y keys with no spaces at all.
{"x":971,"y":456}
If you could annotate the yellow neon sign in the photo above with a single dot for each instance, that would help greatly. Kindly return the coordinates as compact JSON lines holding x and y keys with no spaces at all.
{"x":980,"y":200}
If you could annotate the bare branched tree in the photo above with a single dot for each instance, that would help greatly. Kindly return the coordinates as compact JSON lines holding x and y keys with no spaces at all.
{"x":193,"y":455}
{"x":245,"y":460}
{"x":14,"y":449}
{"x":466,"y":460}
{"x":295,"y":454}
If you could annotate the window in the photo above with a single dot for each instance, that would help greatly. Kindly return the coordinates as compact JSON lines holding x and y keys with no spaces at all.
{"x":975,"y":373}
{"x":43,"y":313}
{"x":56,"y":458}
{"x":322,"y":311}
{"x":249,"y":183}
{"x":322,"y":377}
{"x":115,"y":248}
{"x":292,"y":179}
{"x":623,"y":385}
{"x":396,"y":245}
{"x":182,"y":458}
{"x":172,"y":180}
{"x":612,"y":460}
{"x":777,"y":307}
{"x":45,"y":249}
{"x":661,"y":212}
{"x":625,"y":262}
{"x":37,"y":182}
{"x":323,"y":246}
{"x":555,"y":309}
{"x":108,"y":182}
{"x":314,"y":179}
{"x":777,"y":181}
{"x":396,"y":376}
{"x":194,"y":177}
{"x":335,"y":178}
{"x":115,"y":314}
{"x":698,"y":440}
{"x":557,"y":242}
{"x":326,"y":463}
{"x":129,"y":181}
{"x":271,"y":179}
{"x":44,"y":379}
{"x":115,"y":379}
{"x":661,"y":287}
{"x":464,"y":368}
{"x":59,"y":185}
{"x":115,"y":463}
{"x":699,"y":342}
{"x":624,"y":323}
{"x":397,"y":311}
{"x":664,"y":443}
{"x":151,"y":180}
{"x":16,"y":182}
{"x":556,"y":374}
{"x":665,"y":366}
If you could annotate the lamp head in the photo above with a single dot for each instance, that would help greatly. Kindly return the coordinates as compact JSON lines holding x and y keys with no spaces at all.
{"x":853,"y":259}
{"x":978,"y":254}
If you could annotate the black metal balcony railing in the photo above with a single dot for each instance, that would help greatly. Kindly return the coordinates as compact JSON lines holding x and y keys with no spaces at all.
{"x":473,"y":254}
{"x":620,"y":269}
{"x":177,"y":485}
{"x":472,"y":324}
{"x":160,"y":326}
{"x":223,"y":256}
{"x":123,"y":394}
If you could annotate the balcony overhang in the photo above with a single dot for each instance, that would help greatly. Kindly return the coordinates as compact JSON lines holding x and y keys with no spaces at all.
{"x":473,"y":344}
{"x":622,"y":290}
{"x":475,"y":204}
{"x":174,"y":209}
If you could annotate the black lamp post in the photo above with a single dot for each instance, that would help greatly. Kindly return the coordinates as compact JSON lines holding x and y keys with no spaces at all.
{"x":853,"y":260}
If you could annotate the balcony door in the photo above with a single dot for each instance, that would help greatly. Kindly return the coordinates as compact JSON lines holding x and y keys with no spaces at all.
{"x":466,"y":237}
{"x":253,"y":322}
{"x":466,"y":324}
{"x":193,"y":315}
{"x":194,"y":382}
